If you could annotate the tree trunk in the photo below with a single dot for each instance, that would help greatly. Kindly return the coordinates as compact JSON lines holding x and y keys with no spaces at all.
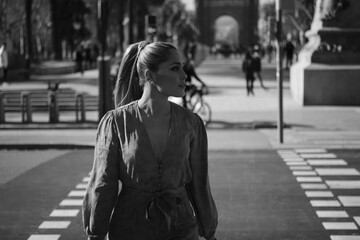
{"x":29,"y":52}
{"x":56,"y":35}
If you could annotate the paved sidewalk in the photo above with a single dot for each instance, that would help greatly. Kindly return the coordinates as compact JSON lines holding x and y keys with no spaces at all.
{"x":245,"y":122}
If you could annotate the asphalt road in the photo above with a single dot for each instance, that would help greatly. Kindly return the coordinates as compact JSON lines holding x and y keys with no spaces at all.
{"x":257,"y":194}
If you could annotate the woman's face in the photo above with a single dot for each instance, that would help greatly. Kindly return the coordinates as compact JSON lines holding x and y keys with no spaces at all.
{"x":170,"y":78}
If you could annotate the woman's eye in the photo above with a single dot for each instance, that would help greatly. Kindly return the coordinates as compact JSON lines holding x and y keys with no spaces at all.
{"x":175,"y":68}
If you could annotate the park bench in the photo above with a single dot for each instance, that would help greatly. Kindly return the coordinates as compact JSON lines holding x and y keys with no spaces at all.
{"x":44,"y":100}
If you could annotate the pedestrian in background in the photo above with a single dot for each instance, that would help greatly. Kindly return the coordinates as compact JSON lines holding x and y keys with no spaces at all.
{"x":157,"y":150}
{"x":269,"y":51}
{"x":4,"y":63}
{"x":257,"y":64}
{"x":248,"y":69}
{"x":289,"y":53}
{"x":79,"y":58}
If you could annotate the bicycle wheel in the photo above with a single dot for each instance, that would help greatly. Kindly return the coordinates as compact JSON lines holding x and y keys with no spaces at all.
{"x":204,"y":111}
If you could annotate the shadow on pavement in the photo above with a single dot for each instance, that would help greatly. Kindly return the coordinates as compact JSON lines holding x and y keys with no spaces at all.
{"x":250,"y":125}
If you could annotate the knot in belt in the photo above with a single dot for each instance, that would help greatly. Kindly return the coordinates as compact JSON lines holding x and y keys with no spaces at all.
{"x":166,"y":201}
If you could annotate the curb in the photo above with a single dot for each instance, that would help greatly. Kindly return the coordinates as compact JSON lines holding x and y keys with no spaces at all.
{"x":27,"y":146}
{"x":19,"y":126}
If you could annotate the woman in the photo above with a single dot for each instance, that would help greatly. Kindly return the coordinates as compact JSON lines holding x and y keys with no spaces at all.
{"x":157,"y":150}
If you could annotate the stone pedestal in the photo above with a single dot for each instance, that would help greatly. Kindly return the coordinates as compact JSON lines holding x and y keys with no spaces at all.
{"x":328,"y":70}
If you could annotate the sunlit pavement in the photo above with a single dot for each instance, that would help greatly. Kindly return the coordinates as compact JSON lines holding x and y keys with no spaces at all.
{"x":263,"y":189}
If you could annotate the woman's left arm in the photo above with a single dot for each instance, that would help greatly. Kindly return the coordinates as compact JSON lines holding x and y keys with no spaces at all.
{"x":102,"y":190}
{"x":199,"y":188}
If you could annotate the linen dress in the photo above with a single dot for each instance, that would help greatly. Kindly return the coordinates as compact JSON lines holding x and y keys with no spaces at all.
{"x":160,"y":198}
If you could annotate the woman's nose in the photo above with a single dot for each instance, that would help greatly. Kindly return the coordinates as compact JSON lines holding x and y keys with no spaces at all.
{"x":184,"y":76}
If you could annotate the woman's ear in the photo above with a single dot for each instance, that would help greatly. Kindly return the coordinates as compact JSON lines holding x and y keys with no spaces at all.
{"x":149,"y":75}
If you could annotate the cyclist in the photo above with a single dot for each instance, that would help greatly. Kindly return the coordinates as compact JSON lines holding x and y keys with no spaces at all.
{"x":190,"y":72}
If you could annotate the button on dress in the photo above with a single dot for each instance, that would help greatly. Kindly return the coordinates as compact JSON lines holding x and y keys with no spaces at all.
{"x":134,"y":195}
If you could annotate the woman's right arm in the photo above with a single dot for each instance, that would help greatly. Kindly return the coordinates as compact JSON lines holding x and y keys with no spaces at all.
{"x":102,"y":189}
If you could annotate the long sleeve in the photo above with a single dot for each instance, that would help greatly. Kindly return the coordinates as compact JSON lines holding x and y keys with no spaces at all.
{"x":102,"y":190}
{"x":199,"y":188}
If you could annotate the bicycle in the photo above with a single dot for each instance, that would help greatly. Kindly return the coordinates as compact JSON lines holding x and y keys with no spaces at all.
{"x":196,"y":103}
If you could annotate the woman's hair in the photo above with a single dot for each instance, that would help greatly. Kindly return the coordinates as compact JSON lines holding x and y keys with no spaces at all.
{"x":131,"y":76}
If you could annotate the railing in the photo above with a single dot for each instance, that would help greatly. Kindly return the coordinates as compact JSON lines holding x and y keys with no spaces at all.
{"x":41,"y":100}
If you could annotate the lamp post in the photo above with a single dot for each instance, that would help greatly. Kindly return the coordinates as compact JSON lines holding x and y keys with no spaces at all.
{"x":279,"y":77}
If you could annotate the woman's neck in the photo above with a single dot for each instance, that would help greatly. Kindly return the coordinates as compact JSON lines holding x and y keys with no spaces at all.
{"x":154,"y":107}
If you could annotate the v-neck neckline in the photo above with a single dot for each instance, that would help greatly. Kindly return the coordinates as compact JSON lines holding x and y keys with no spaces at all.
{"x":159,"y":158}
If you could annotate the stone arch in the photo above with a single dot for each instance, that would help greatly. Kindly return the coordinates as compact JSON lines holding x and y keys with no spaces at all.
{"x":245,"y":12}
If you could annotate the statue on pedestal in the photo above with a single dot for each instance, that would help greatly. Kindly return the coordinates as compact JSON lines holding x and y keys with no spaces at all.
{"x":334,"y":36}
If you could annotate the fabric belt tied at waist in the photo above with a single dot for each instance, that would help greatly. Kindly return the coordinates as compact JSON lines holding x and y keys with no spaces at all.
{"x":166,"y":201}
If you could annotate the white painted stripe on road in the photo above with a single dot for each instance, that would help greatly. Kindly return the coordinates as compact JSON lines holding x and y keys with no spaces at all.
{"x":311,"y":150}
{"x":86,"y":179}
{"x":327,"y":162}
{"x":300,"y":163}
{"x":337,"y":171}
{"x":71,"y":202}
{"x":319,"y":155}
{"x":343,"y":184}
{"x":357,"y":220}
{"x":300,"y":168}
{"x":325,"y":203}
{"x":332,"y":214}
{"x":284,"y":151}
{"x":309,"y":179}
{"x":54,"y":225}
{"x":81,"y":186}
{"x":293,"y":159}
{"x":64,"y":213}
{"x":313,"y":186}
{"x":304,"y":173}
{"x":77,"y":194}
{"x":319,"y":194}
{"x":344,"y":237}
{"x":44,"y":237}
{"x":284,"y":155}
{"x":339,"y":226}
{"x":350,"y":201}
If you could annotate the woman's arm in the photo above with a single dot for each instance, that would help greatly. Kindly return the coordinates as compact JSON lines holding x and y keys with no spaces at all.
{"x":102,"y":189}
{"x":199,"y":188}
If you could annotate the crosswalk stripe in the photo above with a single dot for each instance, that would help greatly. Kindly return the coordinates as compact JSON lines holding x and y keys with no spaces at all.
{"x":299,"y":163}
{"x":309,"y":179}
{"x":343,"y":184}
{"x":350,"y":201}
{"x":300,"y":168}
{"x":344,"y":237}
{"x":44,"y":237}
{"x":54,"y":225}
{"x":311,"y":150}
{"x":357,"y":220}
{"x":337,"y":171}
{"x":319,"y":155}
{"x":332,"y":214}
{"x":319,"y":194}
{"x":339,"y":226}
{"x":64,"y":213}
{"x":293,"y":159}
{"x":77,"y":193}
{"x":327,"y":162}
{"x":304,"y":173}
{"x":86,"y":179}
{"x":71,"y":202}
{"x":313,"y":186}
{"x":325,"y":203}
{"x":81,"y":186}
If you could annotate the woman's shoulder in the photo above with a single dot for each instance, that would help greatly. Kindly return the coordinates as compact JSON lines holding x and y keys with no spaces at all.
{"x":186,"y":114}
{"x":128,"y":108}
